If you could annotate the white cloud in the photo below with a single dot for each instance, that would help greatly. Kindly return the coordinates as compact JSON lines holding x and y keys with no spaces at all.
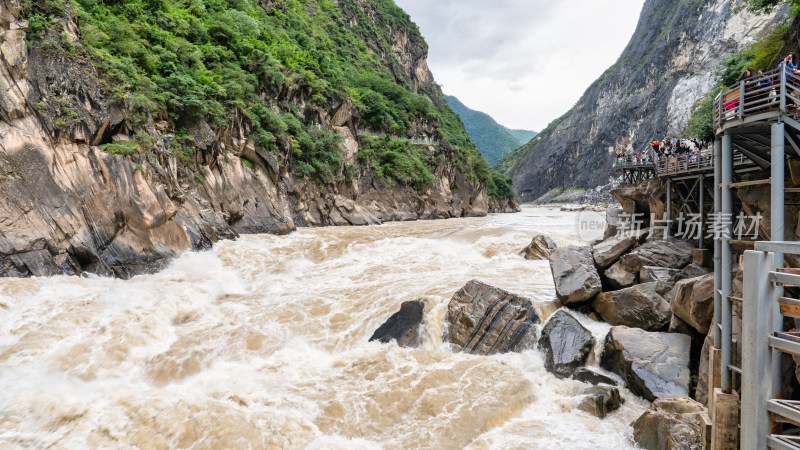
{"x":524,"y":62}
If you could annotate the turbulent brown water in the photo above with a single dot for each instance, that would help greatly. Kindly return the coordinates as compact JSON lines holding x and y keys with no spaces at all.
{"x":262,"y":343}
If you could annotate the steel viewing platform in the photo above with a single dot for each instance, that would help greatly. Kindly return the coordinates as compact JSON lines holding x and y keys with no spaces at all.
{"x":755,"y":122}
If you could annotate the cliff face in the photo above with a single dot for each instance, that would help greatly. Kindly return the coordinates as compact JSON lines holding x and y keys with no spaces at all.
{"x":70,"y":206}
{"x":668,"y":65}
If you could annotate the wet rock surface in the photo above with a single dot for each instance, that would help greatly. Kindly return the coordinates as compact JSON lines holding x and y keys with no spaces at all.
{"x":484,"y":320}
{"x":672,"y":423}
{"x":653,"y":365}
{"x":566,"y":344}
{"x":404,"y":326}
{"x":601,"y":401}
{"x":640,"y":306}
{"x":540,"y":248}
{"x":575,"y":275}
{"x":589,"y":376}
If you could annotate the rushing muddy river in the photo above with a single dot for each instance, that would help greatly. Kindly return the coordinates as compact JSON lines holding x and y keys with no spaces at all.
{"x":263,"y":343}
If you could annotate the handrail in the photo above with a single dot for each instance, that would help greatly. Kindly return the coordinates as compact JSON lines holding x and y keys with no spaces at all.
{"x":775,"y":90}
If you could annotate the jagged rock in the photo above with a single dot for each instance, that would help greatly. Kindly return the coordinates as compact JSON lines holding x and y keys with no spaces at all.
{"x":539,"y":248}
{"x":694,"y":302}
{"x":653,"y":365}
{"x":566,"y":344}
{"x":600,"y":401}
{"x":670,"y":424}
{"x":609,"y":251}
{"x":692,"y":271}
{"x":620,"y":278}
{"x":639,"y":306}
{"x":670,"y":253}
{"x":484,"y":320}
{"x":404,"y":326}
{"x":650,"y":274}
{"x":574,"y":274}
{"x":585,"y":375}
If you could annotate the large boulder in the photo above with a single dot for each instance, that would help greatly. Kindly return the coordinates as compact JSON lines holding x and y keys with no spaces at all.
{"x":484,"y":320}
{"x":694,"y":302}
{"x":566,"y":344}
{"x":673,"y":423}
{"x":653,"y":365}
{"x":619,"y":278}
{"x":588,"y":376}
{"x":574,"y":274}
{"x":404,"y":326}
{"x":539,"y":248}
{"x":671,"y":253}
{"x":640,"y":306}
{"x":609,"y":251}
{"x":600,"y":401}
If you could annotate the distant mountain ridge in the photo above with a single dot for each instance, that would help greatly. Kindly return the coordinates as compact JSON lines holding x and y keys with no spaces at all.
{"x":492,"y":139}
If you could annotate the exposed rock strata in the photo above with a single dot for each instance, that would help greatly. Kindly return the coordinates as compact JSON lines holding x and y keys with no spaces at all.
{"x":648,"y":93}
{"x":70,"y":207}
{"x":484,"y":320}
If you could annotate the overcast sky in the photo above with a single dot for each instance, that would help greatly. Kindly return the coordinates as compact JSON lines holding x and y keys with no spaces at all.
{"x":524,"y":62}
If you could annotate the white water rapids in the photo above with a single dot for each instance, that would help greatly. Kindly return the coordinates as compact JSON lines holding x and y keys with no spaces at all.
{"x":262,"y":343}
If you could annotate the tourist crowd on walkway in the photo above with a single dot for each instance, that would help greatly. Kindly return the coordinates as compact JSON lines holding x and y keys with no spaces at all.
{"x":761,"y":89}
{"x":666,"y":150}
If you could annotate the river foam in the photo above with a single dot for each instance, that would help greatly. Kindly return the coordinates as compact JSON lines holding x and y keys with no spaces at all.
{"x":262,"y":343}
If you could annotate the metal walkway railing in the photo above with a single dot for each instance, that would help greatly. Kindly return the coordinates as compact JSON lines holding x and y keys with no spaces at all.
{"x":776,"y":90}
{"x":763,"y":342}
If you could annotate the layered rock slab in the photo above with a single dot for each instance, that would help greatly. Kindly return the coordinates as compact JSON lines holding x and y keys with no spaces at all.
{"x":484,"y":320}
{"x":653,"y":365}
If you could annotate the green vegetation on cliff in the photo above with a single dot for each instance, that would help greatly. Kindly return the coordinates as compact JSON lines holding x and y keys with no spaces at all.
{"x":492,"y":139}
{"x":279,"y":64}
{"x":763,"y":54}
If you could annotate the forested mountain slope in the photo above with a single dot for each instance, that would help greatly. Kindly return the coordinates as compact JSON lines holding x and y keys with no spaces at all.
{"x":134,"y":130}
{"x":492,"y":139}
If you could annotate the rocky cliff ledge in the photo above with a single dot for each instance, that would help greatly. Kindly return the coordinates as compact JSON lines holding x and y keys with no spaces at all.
{"x":75,"y":200}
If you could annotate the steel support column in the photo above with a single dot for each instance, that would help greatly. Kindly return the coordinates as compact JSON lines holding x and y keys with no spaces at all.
{"x":777,"y":235}
{"x":717,"y":246}
{"x":726,"y":223}
{"x":756,"y":324}
{"x":702,"y":211}
{"x":669,"y":207}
